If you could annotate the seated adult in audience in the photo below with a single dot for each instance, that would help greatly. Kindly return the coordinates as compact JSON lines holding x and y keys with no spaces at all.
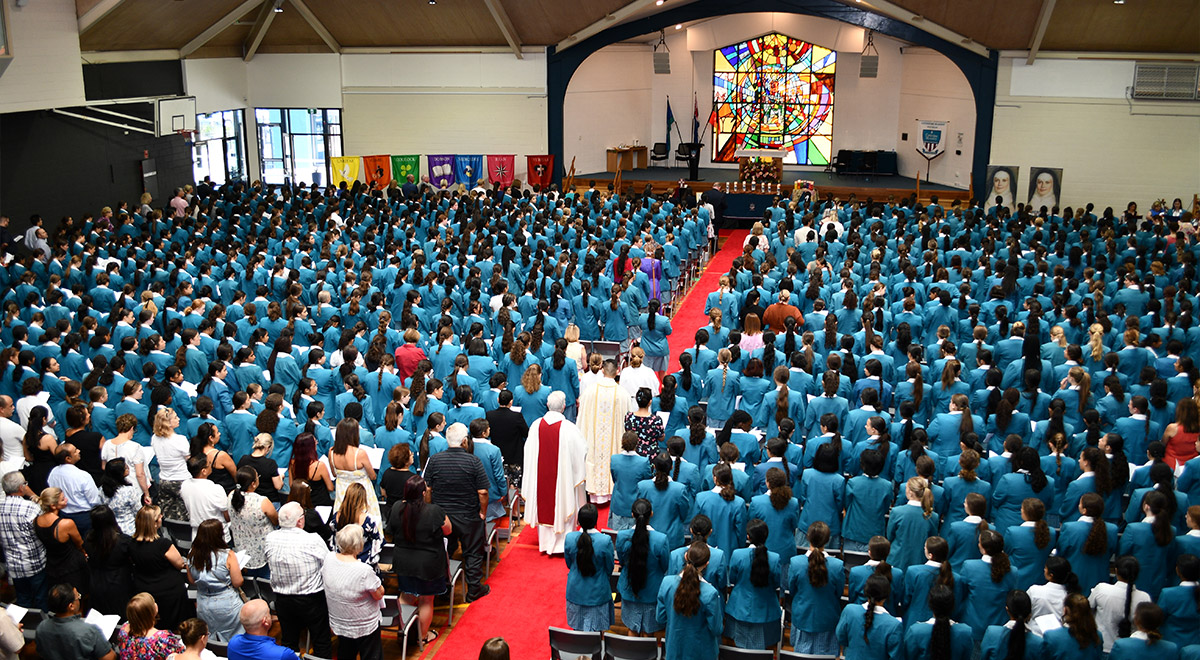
{"x":194,"y":635}
{"x":295,"y":558}
{"x":352,"y":593}
{"x":257,"y":643}
{"x":138,"y":639}
{"x":19,"y":539}
{"x":65,"y":636}
{"x":418,"y":529}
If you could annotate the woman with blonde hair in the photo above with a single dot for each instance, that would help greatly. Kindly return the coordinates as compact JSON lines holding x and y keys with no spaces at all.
{"x":587,"y":377}
{"x":575,"y":349}
{"x":138,"y":639}
{"x":270,"y":482}
{"x":531,"y":395}
{"x":65,"y":559}
{"x":637,"y":375}
{"x":718,"y":335}
{"x":354,"y":510}
{"x":172,"y":451}
{"x":1094,"y":353}
{"x":912,"y":523}
{"x":156,"y":568}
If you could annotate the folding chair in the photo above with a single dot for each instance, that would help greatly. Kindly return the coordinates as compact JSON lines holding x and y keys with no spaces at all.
{"x":404,"y":617}
{"x":734,"y":653}
{"x":180,"y":532}
{"x":263,"y":590}
{"x":457,"y":576}
{"x":492,"y":536}
{"x":622,"y":647}
{"x":609,"y":350}
{"x":852,"y":558}
{"x":387,"y":554}
{"x":219,"y":649}
{"x":32,"y":619}
{"x":792,"y":655}
{"x":566,"y":644}
{"x":514,"y":513}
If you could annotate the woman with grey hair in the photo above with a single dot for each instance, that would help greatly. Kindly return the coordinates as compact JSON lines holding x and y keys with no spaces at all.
{"x":353,"y":592}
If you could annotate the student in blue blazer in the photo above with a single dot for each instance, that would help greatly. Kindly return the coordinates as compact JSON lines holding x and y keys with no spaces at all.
{"x":1152,"y":541}
{"x":752,"y":613}
{"x":690,"y":610}
{"x":939,"y":637}
{"x":856,"y":579}
{"x":780,"y":403}
{"x":947,"y":429}
{"x":644,"y":555}
{"x":737,"y":432}
{"x":628,"y":469}
{"x":725,"y":509}
{"x":777,"y":449}
{"x":669,"y":499}
{"x":1162,"y":480}
{"x":815,"y":581}
{"x":986,"y":582}
{"x":967,"y":480}
{"x":1078,"y":638}
{"x":1029,"y":544}
{"x":741,"y":480}
{"x":1015,"y":640}
{"x":822,"y":492}
{"x":1027,"y":480}
{"x":963,"y":536}
{"x":828,"y":402}
{"x":867,"y":631}
{"x":721,"y":385}
{"x":589,"y":556}
{"x":1147,"y":643}
{"x":214,"y":387}
{"x":701,"y":447}
{"x":781,"y":512}
{"x":1088,"y":542}
{"x":910,"y":524}
{"x":683,"y":470}
{"x":921,"y":579}
{"x":1181,"y":603}
{"x":868,"y":498}
{"x":717,"y":572}
{"x":655,"y":330}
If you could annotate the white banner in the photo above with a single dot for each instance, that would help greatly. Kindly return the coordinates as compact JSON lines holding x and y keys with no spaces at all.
{"x":932,"y":136}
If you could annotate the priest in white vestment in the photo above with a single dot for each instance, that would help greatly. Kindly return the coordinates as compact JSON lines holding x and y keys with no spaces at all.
{"x":553,"y":482}
{"x":601,"y":419}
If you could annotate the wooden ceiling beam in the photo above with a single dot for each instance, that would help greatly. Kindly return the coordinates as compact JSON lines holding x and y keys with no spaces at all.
{"x":266,"y":16}
{"x":603,"y":23}
{"x":218,"y":27}
{"x":92,"y":16}
{"x":506,"y":26}
{"x":1040,"y":31}
{"x":317,"y":26}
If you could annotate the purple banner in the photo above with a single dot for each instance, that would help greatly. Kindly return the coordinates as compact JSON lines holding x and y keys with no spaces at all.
{"x":441,"y":171}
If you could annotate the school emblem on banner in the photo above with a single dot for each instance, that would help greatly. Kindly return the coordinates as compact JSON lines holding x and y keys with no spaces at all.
{"x":500,"y":170}
{"x":378,"y":171}
{"x":933,"y":137}
{"x":404,"y":166}
{"x":541,"y":170}
{"x":345,"y":169}
{"x":468,"y":170}
{"x":441,"y":171}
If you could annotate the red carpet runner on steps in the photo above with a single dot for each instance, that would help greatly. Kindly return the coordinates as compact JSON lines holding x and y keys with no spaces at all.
{"x":527,"y":586}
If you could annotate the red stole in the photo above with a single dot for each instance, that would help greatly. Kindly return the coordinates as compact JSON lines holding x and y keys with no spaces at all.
{"x":547,"y":486}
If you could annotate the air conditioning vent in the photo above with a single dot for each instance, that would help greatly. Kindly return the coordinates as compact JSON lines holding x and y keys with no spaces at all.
{"x":1167,"y":81}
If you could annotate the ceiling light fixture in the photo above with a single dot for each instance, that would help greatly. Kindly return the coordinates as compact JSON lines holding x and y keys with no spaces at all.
{"x":659,"y":2}
{"x":279,"y":10}
{"x":679,"y":26}
{"x":433,"y":2}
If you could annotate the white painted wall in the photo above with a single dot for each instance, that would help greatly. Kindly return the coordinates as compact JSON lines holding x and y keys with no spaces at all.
{"x":45,"y":71}
{"x":865,"y":110}
{"x":1112,"y":152}
{"x":608,"y":103}
{"x":217,"y":83}
{"x":933,"y":88}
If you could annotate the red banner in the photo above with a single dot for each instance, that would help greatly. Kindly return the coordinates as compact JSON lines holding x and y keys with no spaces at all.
{"x":378,"y":171}
{"x":541,"y":170}
{"x":501,"y":170}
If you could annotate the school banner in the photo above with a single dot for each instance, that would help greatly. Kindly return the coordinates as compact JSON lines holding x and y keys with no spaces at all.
{"x":468,"y":170}
{"x":378,"y":171}
{"x":541,"y":170}
{"x":441,"y":170}
{"x":933,"y":137}
{"x":403,"y":166}
{"x":500,"y":170}
{"x":345,"y":168}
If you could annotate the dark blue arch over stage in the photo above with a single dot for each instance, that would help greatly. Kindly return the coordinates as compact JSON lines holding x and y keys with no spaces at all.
{"x":980,"y":71}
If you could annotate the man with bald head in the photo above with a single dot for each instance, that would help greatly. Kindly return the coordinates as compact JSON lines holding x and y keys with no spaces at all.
{"x":77,"y":485}
{"x":459,"y":485}
{"x":256,"y":643}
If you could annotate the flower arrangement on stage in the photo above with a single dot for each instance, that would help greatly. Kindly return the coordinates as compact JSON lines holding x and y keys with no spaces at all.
{"x":760,"y":171}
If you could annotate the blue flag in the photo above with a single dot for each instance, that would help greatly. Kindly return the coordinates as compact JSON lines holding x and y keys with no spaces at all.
{"x":670,"y":123}
{"x":469,"y":170}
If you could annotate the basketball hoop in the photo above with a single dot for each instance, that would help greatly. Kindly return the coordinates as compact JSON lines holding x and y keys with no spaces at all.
{"x":189,"y":136}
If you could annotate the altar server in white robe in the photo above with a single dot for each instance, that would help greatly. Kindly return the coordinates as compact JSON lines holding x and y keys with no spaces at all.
{"x":601,"y":419}
{"x":553,"y":484}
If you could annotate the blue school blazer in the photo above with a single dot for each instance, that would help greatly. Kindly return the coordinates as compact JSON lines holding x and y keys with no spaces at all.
{"x":995,"y":644}
{"x":907,"y":529}
{"x":690,"y":637}
{"x":748,"y":603}
{"x":1028,"y":560}
{"x":1090,"y":569}
{"x":1157,"y":561}
{"x":918,"y":639}
{"x":985,"y":599}
{"x":656,"y":566}
{"x":1137,"y":649}
{"x":1060,"y":645}
{"x":884,"y":640}
{"x":816,"y":609}
{"x":594,"y":589}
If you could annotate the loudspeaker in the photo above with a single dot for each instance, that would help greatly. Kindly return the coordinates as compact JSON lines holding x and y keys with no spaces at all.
{"x":869,"y":67}
{"x":662,"y":62}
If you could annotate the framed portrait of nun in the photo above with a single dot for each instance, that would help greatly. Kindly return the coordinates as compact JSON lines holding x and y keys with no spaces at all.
{"x":1045,"y":188}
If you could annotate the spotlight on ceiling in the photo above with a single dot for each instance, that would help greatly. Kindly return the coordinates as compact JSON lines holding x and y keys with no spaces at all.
{"x":659,"y":2}
{"x":679,"y":26}
{"x":433,"y":2}
{"x":279,"y":10}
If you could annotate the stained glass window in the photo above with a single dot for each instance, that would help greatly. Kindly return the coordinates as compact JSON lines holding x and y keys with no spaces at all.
{"x":774,"y":92}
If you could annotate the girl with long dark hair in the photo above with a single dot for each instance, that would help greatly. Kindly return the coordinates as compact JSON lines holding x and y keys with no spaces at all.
{"x":589,"y":556}
{"x":418,"y":529}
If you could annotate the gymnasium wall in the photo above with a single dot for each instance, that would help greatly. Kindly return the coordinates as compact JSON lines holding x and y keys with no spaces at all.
{"x":45,"y":71}
{"x":1073,"y":114}
{"x":606,"y":100}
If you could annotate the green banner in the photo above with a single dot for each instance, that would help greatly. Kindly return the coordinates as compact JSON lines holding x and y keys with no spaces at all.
{"x":402,"y":166}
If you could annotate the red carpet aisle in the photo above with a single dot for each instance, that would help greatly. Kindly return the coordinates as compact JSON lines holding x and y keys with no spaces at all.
{"x":527,"y":586}
{"x":691,"y":315}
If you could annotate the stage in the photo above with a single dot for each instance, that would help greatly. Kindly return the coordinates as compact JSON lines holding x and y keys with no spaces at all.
{"x":663,"y":179}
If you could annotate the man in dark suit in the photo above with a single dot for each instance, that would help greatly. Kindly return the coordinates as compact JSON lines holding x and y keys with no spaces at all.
{"x":716,"y":197}
{"x":409,"y":189}
{"x":509,"y":431}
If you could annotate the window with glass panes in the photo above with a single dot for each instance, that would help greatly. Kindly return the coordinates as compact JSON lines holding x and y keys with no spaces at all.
{"x":219,"y":151}
{"x":296,"y":144}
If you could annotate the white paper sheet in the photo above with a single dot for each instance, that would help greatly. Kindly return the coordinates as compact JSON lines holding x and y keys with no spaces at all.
{"x":375,"y":455}
{"x":107,"y":623}
{"x":324,"y":512}
{"x":17,"y":612}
